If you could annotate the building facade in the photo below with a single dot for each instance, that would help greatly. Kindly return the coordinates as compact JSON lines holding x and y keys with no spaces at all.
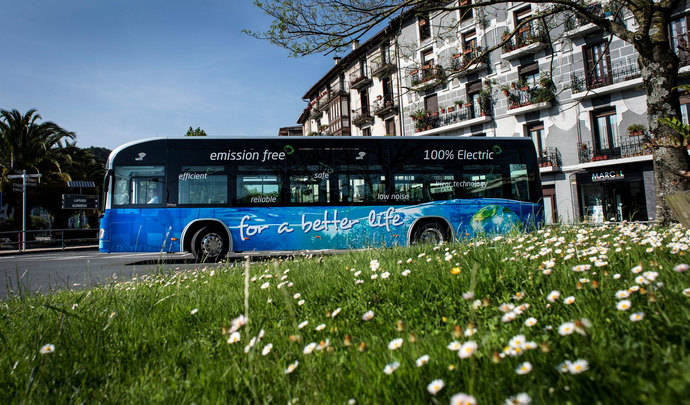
{"x":575,"y":90}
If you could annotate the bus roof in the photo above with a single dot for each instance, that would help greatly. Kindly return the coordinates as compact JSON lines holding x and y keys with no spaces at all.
{"x":122,"y":147}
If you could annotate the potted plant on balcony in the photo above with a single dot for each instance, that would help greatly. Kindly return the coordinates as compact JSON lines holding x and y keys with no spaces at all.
{"x":636,"y":130}
{"x":459,"y":103}
{"x":485,"y":100}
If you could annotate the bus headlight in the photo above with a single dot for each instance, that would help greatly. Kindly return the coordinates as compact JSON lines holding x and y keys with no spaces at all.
{"x":101,"y":233}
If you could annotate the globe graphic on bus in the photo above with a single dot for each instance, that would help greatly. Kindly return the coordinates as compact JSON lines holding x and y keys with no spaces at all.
{"x":494,"y":219}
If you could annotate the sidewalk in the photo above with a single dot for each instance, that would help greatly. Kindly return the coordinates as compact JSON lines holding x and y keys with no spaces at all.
{"x":47,"y":249}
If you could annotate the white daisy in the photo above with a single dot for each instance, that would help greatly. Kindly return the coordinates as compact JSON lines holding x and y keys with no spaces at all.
{"x":367,"y":316}
{"x":267,"y":349}
{"x":395,"y":344}
{"x":637,"y":316}
{"x":422,"y":360}
{"x":47,"y":349}
{"x":566,"y":329}
{"x":292,"y":367}
{"x":524,"y":368}
{"x":435,"y":386}
{"x":623,"y":305}
{"x":468,"y":348}
{"x":462,"y":399}
{"x":578,"y":366}
{"x":390,"y":368}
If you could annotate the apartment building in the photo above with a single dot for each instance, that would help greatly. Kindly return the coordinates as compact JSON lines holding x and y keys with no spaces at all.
{"x":575,"y":90}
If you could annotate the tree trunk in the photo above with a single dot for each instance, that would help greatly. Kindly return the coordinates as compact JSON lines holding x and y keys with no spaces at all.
{"x":659,"y":68}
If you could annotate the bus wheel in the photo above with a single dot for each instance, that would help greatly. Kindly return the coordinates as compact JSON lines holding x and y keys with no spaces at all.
{"x":209,"y":245}
{"x":434,"y":233}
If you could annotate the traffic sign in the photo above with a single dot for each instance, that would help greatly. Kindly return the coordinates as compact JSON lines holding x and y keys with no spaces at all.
{"x":79,"y":202}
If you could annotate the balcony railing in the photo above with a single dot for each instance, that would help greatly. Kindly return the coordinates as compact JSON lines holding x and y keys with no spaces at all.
{"x":470,"y":60}
{"x":426,"y":77}
{"x":527,"y":35}
{"x":550,"y":157}
{"x":339,"y":89}
{"x":623,"y":146}
{"x":362,"y":117}
{"x":360,"y":79}
{"x":385,"y":108}
{"x":620,"y":72}
{"x":452,"y":115}
{"x":380,"y":67}
{"x":524,"y":96}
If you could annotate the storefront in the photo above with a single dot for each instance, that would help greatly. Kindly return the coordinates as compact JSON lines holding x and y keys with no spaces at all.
{"x":616,"y":193}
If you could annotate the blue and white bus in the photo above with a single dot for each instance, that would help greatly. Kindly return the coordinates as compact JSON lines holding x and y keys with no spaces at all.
{"x":210,"y":196}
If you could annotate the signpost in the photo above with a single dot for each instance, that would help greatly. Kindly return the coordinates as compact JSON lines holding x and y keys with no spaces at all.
{"x":79,"y":202}
{"x":28,"y":180}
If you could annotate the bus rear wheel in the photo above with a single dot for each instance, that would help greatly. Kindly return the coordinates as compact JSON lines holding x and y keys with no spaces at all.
{"x":209,"y":245}
{"x":432,"y":232}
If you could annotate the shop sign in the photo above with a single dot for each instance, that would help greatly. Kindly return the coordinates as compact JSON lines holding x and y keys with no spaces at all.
{"x":608,"y":175}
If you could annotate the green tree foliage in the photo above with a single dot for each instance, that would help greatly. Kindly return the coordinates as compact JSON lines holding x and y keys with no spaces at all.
{"x":27,"y":144}
{"x":195,"y":132}
{"x":306,"y":27}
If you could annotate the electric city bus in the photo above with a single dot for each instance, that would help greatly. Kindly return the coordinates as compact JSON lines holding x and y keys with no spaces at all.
{"x":211,"y":196}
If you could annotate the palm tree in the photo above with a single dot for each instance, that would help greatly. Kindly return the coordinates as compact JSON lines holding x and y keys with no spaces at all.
{"x":26,"y":144}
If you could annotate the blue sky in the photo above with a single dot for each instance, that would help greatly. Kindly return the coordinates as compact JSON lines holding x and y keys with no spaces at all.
{"x":117,"y":71}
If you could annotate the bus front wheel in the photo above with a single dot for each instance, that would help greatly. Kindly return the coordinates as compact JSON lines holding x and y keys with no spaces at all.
{"x":209,"y":245}
{"x":433,"y":232}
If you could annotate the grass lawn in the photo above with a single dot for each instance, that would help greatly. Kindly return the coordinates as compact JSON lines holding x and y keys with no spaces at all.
{"x":564,"y":315}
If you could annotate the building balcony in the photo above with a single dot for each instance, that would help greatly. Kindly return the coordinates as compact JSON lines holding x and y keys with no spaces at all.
{"x":624,"y":146}
{"x":468,"y":62}
{"x":381,"y":68}
{"x":621,"y":77}
{"x":529,"y":40}
{"x":528,"y":99}
{"x":426,"y":78}
{"x":360,"y":79}
{"x":362,"y":117}
{"x":385,"y":109}
{"x":427,"y":123}
{"x":550,"y":159}
{"x":315,"y":114}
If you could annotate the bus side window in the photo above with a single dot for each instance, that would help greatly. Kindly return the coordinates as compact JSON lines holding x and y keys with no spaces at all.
{"x":258,"y":188}
{"x":361,"y":188}
{"x":138,"y":185}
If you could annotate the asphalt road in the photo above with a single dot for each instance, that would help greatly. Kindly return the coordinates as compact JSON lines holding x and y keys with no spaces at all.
{"x":47,"y":272}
